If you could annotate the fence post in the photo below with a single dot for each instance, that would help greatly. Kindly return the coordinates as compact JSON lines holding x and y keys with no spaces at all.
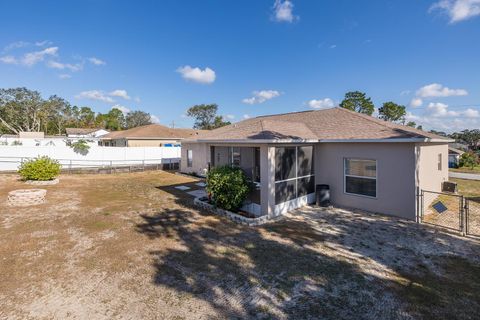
{"x":70,"y":167}
{"x":465,"y":213}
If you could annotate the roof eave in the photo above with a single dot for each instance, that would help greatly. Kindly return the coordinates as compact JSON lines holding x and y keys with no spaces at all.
{"x":387,"y":140}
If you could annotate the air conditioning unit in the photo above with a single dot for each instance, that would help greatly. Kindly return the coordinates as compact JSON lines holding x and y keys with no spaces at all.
{"x":448,"y":186}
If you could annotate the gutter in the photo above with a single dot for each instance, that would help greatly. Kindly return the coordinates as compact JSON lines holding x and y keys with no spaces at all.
{"x":283,"y":141}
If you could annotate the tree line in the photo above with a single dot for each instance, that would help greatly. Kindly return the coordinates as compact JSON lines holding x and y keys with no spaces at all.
{"x":22,"y":109}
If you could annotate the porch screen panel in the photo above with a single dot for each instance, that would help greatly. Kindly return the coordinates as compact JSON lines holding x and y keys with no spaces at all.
{"x":305,"y":161}
{"x":284,"y":163}
{"x":294,"y":173}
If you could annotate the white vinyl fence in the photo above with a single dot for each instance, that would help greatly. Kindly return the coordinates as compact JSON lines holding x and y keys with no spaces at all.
{"x":12,"y":156}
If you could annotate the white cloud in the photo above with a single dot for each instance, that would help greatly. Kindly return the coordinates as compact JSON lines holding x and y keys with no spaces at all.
{"x":43,"y":43}
{"x":205,"y":76}
{"x":471,"y":113}
{"x":9,"y":60}
{"x":154,"y":119}
{"x":438,"y":90}
{"x":458,"y":10}
{"x":229,"y":116}
{"x":64,"y":76}
{"x":437,"y":109}
{"x":120,"y":93}
{"x":96,"y":61}
{"x":333,"y":46}
{"x":63,"y":66}
{"x":246,"y":116}
{"x":261,"y":96}
{"x":124,"y":109}
{"x":32,"y":58}
{"x":95,"y":95}
{"x":283,"y":11}
{"x":416,"y":102}
{"x":321,"y":103}
{"x":16,"y":45}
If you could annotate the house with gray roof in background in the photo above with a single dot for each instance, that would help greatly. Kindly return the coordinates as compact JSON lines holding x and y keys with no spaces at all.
{"x":368,"y":163}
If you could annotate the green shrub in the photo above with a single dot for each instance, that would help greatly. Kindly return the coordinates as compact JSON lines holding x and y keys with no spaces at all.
{"x":228,"y":187}
{"x":41,"y":168}
{"x":468,"y":159}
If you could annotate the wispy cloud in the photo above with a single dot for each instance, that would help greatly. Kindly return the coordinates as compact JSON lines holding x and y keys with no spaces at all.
{"x":124,"y":109}
{"x":457,"y":10}
{"x":261,"y":96}
{"x":283,"y":11}
{"x":96,"y":61}
{"x":435,"y":90}
{"x":95,"y":95}
{"x":32,"y":58}
{"x":154,"y":119}
{"x":64,"y":76}
{"x":321,"y":103}
{"x":205,"y":76}
{"x":103,"y":96}
{"x":65,"y":66}
{"x":120,"y":93}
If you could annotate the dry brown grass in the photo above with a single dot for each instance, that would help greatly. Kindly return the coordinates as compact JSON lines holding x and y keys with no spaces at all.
{"x":130,"y":246}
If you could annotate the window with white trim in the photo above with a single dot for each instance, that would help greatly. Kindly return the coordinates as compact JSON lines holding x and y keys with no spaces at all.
{"x":360,"y":177}
{"x":294,"y":173}
{"x":189,"y":158}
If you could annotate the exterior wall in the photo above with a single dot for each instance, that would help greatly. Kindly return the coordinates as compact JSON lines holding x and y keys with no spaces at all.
{"x":150,"y":143}
{"x":200,"y":157}
{"x":395,"y":176}
{"x":428,"y":176}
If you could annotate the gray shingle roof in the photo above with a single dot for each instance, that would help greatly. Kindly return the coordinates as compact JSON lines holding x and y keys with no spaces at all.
{"x":328,"y":124}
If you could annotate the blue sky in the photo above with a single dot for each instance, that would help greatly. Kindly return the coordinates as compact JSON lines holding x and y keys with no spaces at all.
{"x":249,"y":57}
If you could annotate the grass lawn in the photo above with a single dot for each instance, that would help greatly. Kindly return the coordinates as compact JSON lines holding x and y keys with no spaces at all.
{"x":131,"y":246}
{"x":469,"y":188}
{"x":466,"y":170}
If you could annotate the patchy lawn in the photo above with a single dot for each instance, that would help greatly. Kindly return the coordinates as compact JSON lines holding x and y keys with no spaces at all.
{"x":466,"y":169}
{"x":131,"y":246}
{"x":469,"y":188}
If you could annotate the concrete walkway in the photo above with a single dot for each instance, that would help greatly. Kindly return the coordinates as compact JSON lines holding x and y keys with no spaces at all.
{"x":460,"y":175}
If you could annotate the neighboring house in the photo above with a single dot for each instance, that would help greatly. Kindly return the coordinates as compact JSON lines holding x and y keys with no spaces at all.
{"x":85,"y":133}
{"x":454,"y":157}
{"x":369,"y":164}
{"x":32,"y":139}
{"x":152,"y":135}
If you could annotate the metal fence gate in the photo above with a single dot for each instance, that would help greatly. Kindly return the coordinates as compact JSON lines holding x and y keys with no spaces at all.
{"x":450,"y":211}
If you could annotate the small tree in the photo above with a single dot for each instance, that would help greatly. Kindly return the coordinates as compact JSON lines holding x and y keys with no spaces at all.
{"x":206,"y":117}
{"x":411,"y":124}
{"x":41,"y":169}
{"x":390,"y":111}
{"x":468,"y":159}
{"x":81,"y":146}
{"x":357,"y":101}
{"x":228,"y":186}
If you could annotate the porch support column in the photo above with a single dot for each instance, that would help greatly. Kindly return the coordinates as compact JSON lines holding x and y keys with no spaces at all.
{"x":267,"y":178}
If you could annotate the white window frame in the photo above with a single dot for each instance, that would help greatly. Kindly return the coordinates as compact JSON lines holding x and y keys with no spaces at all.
{"x":296,"y":178}
{"x":362,"y":177}
{"x":189,"y":158}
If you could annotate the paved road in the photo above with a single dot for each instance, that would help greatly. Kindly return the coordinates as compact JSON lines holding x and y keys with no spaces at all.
{"x":459,"y":175}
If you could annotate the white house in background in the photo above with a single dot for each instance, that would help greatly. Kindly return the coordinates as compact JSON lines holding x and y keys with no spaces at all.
{"x":74,"y":134}
{"x":454,"y":157}
{"x":32,"y":139}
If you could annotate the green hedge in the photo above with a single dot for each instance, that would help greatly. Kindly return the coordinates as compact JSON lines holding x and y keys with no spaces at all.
{"x":41,"y":169}
{"x":228,"y":187}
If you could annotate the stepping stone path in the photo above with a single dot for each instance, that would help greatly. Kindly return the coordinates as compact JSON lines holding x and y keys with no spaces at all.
{"x":26,"y":197}
{"x":183,"y":188}
{"x":198,"y":193}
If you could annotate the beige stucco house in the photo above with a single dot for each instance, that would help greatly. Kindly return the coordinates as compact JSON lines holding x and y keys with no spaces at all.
{"x":152,"y":135}
{"x":369,"y":164}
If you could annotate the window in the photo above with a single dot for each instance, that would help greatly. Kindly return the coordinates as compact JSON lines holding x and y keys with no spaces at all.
{"x":360,"y":177}
{"x":439,"y":162}
{"x":189,"y":158}
{"x":294,"y":173}
{"x":236,"y":157}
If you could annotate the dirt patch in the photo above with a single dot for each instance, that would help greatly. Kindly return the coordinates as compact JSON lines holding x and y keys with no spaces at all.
{"x":131,"y":246}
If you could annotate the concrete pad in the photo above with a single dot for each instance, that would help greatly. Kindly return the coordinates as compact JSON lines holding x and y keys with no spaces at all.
{"x":201,"y":184}
{"x":197,"y":193}
{"x":183,"y":188}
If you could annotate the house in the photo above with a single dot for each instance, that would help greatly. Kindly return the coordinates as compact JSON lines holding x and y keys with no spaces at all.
{"x":152,"y":135}
{"x":85,"y":133}
{"x":369,"y":164}
{"x":454,"y":157}
{"x":32,"y":139}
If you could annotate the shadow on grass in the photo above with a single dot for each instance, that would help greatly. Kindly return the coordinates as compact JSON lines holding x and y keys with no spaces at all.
{"x":314,"y":269}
